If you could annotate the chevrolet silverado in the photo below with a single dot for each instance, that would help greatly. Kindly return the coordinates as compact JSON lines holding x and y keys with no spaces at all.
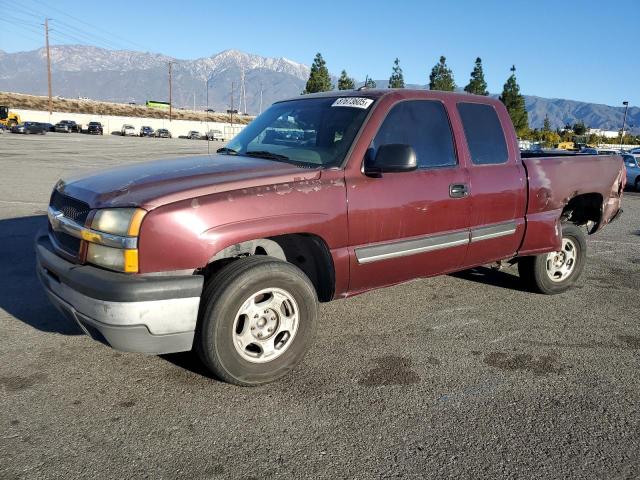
{"x":321,"y":197}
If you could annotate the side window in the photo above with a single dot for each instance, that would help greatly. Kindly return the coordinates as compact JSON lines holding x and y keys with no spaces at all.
{"x":484,"y":133}
{"x":424,"y":125}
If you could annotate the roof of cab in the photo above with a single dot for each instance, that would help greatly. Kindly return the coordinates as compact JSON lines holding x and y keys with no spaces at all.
{"x":398,"y":92}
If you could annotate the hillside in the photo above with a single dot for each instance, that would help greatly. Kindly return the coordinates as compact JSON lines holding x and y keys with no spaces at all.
{"x":33,"y":102}
{"x":126,"y":76}
{"x":120,"y":76}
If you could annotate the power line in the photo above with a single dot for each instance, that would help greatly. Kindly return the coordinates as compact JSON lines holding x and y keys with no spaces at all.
{"x":73,"y":32}
{"x":95,"y":27}
{"x":30,"y":32}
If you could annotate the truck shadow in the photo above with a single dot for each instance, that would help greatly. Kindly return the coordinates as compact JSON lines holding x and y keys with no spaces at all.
{"x":21,"y":294}
{"x":188,"y":361}
{"x":490,"y":276}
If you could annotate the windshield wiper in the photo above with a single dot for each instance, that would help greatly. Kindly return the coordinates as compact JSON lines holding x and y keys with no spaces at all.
{"x":228,"y":151}
{"x":267,"y":155}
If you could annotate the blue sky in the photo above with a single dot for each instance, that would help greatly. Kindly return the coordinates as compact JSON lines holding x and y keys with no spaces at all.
{"x":582,"y":50}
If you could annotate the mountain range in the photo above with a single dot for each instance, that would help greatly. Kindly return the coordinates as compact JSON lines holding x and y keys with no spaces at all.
{"x":130,"y":76}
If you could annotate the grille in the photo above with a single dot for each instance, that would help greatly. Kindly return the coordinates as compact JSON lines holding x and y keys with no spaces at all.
{"x":74,"y":210}
{"x":68,"y":243}
{"x":70,"y":207}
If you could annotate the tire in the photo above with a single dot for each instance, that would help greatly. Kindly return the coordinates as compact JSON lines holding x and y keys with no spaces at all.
{"x":637,"y":184}
{"x":230,"y":321}
{"x":556,"y":272}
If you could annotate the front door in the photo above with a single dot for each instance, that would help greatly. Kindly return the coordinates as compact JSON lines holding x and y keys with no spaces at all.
{"x":410,"y":224}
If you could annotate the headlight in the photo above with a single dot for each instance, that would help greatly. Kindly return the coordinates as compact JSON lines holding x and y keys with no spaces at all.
{"x":118,"y":221}
{"x":113,"y":239}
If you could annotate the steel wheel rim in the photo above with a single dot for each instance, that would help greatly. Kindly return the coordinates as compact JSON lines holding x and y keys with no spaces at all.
{"x":265,"y":326}
{"x":560,"y":265}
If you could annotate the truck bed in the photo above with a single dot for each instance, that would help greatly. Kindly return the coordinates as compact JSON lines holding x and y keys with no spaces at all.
{"x":554,"y":181}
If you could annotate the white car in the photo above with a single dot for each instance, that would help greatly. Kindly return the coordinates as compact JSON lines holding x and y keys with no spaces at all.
{"x":128,"y":130}
{"x":215,"y":135}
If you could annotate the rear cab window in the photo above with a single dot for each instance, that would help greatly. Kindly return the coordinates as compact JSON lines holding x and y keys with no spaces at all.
{"x":422,"y":124}
{"x":484,"y":133}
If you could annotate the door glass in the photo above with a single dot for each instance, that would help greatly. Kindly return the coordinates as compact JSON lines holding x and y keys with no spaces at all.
{"x":483,"y":130}
{"x":422,"y":124}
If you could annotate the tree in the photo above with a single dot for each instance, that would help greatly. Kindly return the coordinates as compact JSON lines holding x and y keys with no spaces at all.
{"x":319,"y":80}
{"x":579,"y":128}
{"x":441,"y":77}
{"x":345,"y":82}
{"x":546,"y":126}
{"x":396,"y":80}
{"x":369,"y":83}
{"x":514,"y":101}
{"x":477,"y":84}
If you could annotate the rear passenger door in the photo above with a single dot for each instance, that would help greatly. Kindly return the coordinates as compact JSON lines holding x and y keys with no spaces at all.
{"x":497,"y":183}
{"x":407,"y":225}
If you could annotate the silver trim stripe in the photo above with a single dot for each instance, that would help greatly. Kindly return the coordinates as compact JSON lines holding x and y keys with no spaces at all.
{"x":430,"y":243}
{"x":493,"y":231}
{"x":410,"y":247}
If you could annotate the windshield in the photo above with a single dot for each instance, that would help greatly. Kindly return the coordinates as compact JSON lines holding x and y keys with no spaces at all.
{"x":308,"y":132}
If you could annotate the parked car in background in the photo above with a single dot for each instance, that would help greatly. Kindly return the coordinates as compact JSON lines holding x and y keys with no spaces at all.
{"x":128,"y":130}
{"x":607,"y":151}
{"x":163,"y":133}
{"x":48,"y":126}
{"x":29,"y":128}
{"x":95,"y":128}
{"x":146,"y":131}
{"x":633,"y":171}
{"x":215,"y":135}
{"x":67,"y":126}
{"x":194,"y":135}
{"x":589,"y":151}
{"x":635,"y":151}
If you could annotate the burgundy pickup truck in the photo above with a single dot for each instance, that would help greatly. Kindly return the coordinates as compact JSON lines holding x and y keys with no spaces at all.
{"x":320,"y":197}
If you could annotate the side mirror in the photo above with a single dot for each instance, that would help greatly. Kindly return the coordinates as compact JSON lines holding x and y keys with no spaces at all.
{"x":391,"y":158}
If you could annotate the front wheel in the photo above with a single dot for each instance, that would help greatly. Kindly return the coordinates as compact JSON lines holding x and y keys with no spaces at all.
{"x":258,"y":318}
{"x":556,"y":272}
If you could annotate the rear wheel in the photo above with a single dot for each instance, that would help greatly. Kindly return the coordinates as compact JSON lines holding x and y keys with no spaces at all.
{"x":556,"y":272}
{"x":258,"y":318}
{"x":637,"y":184}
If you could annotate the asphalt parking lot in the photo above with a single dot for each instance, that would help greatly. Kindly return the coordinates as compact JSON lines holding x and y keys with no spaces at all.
{"x":460,"y":376}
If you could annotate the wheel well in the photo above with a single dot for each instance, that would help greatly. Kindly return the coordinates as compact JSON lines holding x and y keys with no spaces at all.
{"x":584,"y":208}
{"x":306,"y":251}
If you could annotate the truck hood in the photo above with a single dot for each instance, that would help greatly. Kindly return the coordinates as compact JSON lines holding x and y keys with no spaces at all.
{"x":153,"y":184}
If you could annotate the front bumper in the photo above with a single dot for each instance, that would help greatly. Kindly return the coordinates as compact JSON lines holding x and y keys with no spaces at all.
{"x":131,"y":313}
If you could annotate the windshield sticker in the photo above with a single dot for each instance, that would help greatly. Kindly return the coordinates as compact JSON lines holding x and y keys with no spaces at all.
{"x":355,"y":102}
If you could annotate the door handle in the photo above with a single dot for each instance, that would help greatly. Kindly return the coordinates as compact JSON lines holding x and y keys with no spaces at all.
{"x":458,"y":190}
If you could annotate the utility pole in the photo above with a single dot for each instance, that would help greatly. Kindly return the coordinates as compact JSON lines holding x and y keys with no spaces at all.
{"x":624,"y":121}
{"x":260,"y":98}
{"x":170,"y":104}
{"x":232,"y":107}
{"x":46,"y":39}
{"x":206,"y":87}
